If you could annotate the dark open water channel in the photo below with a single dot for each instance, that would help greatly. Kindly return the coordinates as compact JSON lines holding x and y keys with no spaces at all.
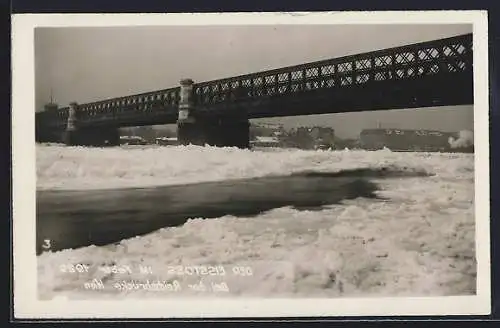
{"x":72,"y":219}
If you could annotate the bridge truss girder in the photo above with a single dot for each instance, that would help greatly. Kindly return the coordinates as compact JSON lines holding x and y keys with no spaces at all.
{"x":435,"y":73}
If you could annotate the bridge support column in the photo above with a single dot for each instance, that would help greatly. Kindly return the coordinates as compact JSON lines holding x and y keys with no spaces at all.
{"x":88,"y":136}
{"x":193,"y":128}
{"x":189,"y":130}
{"x":70,"y":135}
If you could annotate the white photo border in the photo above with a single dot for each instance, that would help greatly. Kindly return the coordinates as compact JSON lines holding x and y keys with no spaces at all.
{"x":26,"y":303}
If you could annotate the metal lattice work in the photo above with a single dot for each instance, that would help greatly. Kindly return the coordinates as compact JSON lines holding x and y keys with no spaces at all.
{"x":447,"y":56}
{"x":391,"y":78}
{"x":148,"y":104}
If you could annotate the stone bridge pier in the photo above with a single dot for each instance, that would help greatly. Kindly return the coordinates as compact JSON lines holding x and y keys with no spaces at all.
{"x":198,"y":129}
{"x":98,"y":136}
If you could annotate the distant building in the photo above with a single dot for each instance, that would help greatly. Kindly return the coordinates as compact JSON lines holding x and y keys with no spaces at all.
{"x":167,"y":141}
{"x":271,"y":126}
{"x":347,"y":143}
{"x":309,"y":138}
{"x":265,"y":130}
{"x":298,"y":138}
{"x":265,"y":142}
{"x":132,"y":140}
{"x":401,"y":140}
{"x":323,"y":137}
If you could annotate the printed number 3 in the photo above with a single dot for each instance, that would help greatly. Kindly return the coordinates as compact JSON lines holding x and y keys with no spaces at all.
{"x":46,"y":244}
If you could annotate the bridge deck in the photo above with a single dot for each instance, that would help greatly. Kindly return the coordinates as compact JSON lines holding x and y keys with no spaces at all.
{"x":434,"y":73}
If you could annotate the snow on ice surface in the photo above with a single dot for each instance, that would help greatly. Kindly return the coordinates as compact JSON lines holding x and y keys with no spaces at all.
{"x":418,"y":241}
{"x":60,"y":167}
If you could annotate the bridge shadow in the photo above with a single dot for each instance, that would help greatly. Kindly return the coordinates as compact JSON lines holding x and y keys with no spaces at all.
{"x":72,"y":219}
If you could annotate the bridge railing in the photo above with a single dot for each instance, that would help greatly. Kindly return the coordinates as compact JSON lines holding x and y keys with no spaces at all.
{"x":151,"y":103}
{"x":415,"y":61}
{"x":445,"y":56}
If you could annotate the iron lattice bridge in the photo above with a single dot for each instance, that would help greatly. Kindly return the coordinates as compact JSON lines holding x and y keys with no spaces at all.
{"x":434,"y":73}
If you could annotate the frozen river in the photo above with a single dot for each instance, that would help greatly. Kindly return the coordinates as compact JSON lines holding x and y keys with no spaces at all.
{"x":73,"y":219}
{"x":309,"y":223}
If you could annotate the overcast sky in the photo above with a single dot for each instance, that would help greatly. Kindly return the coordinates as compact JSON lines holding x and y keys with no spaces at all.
{"x":95,"y":63}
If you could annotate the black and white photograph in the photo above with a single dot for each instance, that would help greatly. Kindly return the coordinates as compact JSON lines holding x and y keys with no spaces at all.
{"x":252,"y":159}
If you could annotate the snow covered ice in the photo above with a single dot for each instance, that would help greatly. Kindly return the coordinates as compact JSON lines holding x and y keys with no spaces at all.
{"x":418,"y":240}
